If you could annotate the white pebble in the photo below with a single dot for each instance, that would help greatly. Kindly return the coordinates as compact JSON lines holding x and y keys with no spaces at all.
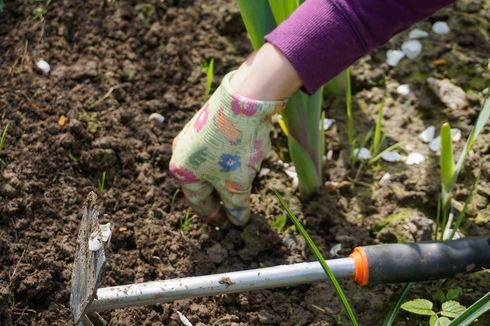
{"x":43,"y":66}
{"x":183,"y":319}
{"x":385,"y":180}
{"x":263,"y":172}
{"x":391,"y":156}
{"x":329,"y":155}
{"x":417,"y":33}
{"x":440,"y":28}
{"x":403,"y":89}
{"x":435,"y":144}
{"x":415,"y":158}
{"x":412,"y":48}
{"x":327,"y":123}
{"x":291,"y":172}
{"x":157,"y":117}
{"x":393,"y":57}
{"x":428,"y":134}
{"x":362,"y":154}
{"x":455,"y":134}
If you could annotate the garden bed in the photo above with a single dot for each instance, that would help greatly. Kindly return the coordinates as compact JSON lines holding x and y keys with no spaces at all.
{"x":115,"y":63}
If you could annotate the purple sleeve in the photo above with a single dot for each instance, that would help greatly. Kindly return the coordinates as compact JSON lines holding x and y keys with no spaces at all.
{"x":323,"y":37}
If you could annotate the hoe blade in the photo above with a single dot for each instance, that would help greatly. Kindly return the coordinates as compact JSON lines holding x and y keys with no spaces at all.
{"x":88,"y":265}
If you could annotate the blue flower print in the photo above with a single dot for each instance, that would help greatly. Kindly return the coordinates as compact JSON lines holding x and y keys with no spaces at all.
{"x":229,"y":162}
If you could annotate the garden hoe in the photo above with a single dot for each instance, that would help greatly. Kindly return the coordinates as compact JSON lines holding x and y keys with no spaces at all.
{"x":376,"y":264}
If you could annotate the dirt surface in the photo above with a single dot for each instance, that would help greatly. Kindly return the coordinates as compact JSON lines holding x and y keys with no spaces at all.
{"x":113,"y":63}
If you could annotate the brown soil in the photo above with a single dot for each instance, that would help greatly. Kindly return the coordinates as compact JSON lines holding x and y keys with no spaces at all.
{"x":116,"y":62}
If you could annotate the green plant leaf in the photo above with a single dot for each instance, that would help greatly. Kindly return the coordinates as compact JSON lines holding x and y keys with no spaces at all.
{"x":419,"y":307}
{"x":446,"y":163}
{"x":473,"y":312}
{"x":452,"y":309}
{"x":282,"y":9}
{"x":350,"y":120}
{"x":439,"y":321}
{"x":462,"y":214}
{"x":209,"y":78}
{"x":454,"y":293}
{"x":377,"y":130}
{"x":395,"y":307}
{"x":258,"y":19}
{"x":319,"y":257}
{"x":280,"y":222}
{"x":440,"y":296}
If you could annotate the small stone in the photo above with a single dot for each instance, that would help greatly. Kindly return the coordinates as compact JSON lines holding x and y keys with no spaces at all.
{"x":334,"y":251}
{"x":157,"y":118}
{"x":417,"y":33}
{"x":428,"y":134}
{"x":412,"y":48}
{"x":362,"y":154}
{"x":183,"y":319}
{"x":43,"y":66}
{"x":385,"y":180}
{"x":391,"y":156}
{"x":440,"y":27}
{"x":414,"y":158}
{"x":455,"y":134}
{"x":454,"y":97}
{"x":263,"y":172}
{"x":393,"y":57}
{"x":435,"y":144}
{"x":403,"y":89}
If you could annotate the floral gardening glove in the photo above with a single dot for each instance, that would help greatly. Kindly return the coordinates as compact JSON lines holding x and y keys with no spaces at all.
{"x":221,"y":149}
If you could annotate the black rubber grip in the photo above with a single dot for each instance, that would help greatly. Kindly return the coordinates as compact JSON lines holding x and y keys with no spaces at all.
{"x":412,"y":262}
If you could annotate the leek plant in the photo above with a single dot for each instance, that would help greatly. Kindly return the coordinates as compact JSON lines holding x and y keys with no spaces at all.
{"x":302,"y":114}
{"x":450,"y":172}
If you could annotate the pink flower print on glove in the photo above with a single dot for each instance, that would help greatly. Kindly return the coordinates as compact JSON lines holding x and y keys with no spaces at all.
{"x":202,"y":118}
{"x":248,"y":108}
{"x":182,"y":175}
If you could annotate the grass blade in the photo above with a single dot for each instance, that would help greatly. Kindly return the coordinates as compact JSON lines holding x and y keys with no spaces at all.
{"x":377,"y":130}
{"x":3,"y":137}
{"x":320,"y":259}
{"x":258,"y":19}
{"x":350,"y":121}
{"x":395,"y":307}
{"x":461,"y":214}
{"x":473,"y":312}
{"x":387,"y":149}
{"x":209,"y":78}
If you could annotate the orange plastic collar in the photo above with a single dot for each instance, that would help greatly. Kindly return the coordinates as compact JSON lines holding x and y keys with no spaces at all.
{"x":361,"y":271}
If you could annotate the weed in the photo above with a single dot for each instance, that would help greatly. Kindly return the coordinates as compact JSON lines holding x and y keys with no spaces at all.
{"x":449,"y":310}
{"x":350,"y":120}
{"x":101,"y":182}
{"x":174,"y":197}
{"x":72,"y":157}
{"x":280,"y":223}
{"x":40,"y":11}
{"x":2,"y":143}
{"x":208,"y":68}
{"x":185,"y":225}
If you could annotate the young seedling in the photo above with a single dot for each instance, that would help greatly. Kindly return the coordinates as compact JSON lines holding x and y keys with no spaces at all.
{"x":280,"y":223}
{"x":473,"y":312}
{"x":101,"y":182}
{"x":3,"y":137}
{"x":39,"y":12}
{"x":449,"y":310}
{"x":208,"y":68}
{"x":174,"y":197}
{"x":319,"y":257}
{"x":185,"y":225}
{"x":350,"y":119}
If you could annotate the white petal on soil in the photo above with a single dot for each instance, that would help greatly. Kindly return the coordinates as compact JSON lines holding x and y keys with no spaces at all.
{"x":428,"y":134}
{"x":391,"y":156}
{"x":417,"y":33}
{"x":183,"y":319}
{"x":105,"y":232}
{"x":412,"y":48}
{"x":94,"y":243}
{"x":291,"y":172}
{"x":334,"y":251}
{"x":403,"y":89}
{"x":263,"y":172}
{"x":435,"y":144}
{"x":157,"y":117}
{"x":385,"y":180}
{"x":99,"y":236}
{"x":362,"y":154}
{"x":329,"y":155}
{"x":327,"y":123}
{"x":455,"y":134}
{"x":393,"y":57}
{"x":43,"y":66}
{"x":415,"y":158}
{"x":440,"y":27}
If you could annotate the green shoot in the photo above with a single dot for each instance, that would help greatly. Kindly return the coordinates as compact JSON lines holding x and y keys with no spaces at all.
{"x":209,"y":77}
{"x":280,"y":223}
{"x":449,"y":309}
{"x":319,"y":257}
{"x":101,"y":182}
{"x":377,"y":142}
{"x":174,"y":196}
{"x":2,"y":142}
{"x":72,"y":157}
{"x":39,"y":12}
{"x":350,"y":121}
{"x":473,"y":312}
{"x":395,"y":307}
{"x":462,"y":213}
{"x":185,"y":225}
{"x":387,"y":149}
{"x":447,"y":164}
{"x":146,"y":13}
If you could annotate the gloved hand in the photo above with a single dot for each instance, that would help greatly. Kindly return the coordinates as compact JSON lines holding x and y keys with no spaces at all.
{"x":220,"y":151}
